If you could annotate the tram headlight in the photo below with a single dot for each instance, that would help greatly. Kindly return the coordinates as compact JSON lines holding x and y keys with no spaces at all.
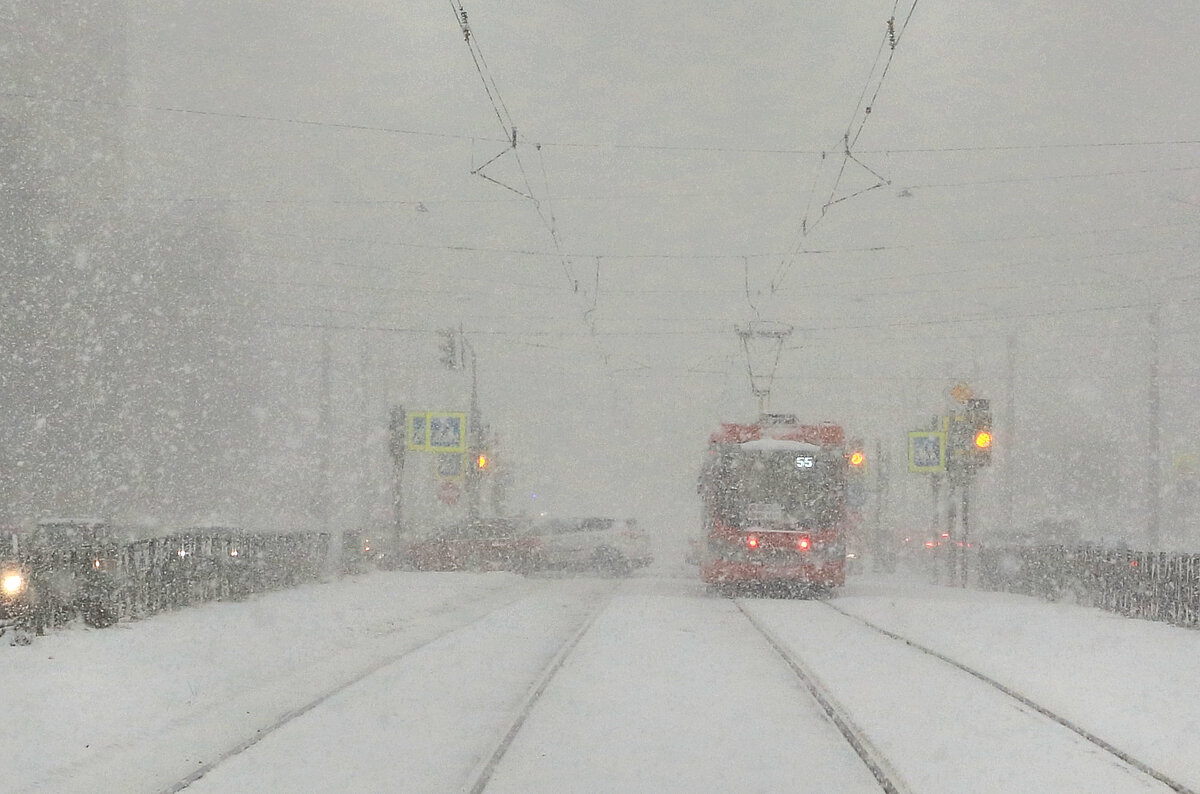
{"x":12,"y":583}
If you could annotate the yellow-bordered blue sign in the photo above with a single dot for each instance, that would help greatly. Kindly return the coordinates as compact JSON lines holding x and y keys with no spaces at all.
{"x":926,"y":451}
{"x":418,"y":431}
{"x":447,"y":432}
{"x":437,"y":431}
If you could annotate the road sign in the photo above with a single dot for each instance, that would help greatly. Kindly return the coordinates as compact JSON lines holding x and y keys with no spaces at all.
{"x":437,"y":431}
{"x":449,"y":492}
{"x":450,"y":464}
{"x":926,"y":451}
{"x":447,"y":432}
{"x":418,"y":431}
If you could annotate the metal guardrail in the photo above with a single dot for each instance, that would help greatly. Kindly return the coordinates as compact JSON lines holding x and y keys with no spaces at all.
{"x":103,"y":581}
{"x":1162,"y":586}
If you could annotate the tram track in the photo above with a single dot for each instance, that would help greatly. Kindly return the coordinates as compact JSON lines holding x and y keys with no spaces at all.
{"x":345,"y":683}
{"x":888,"y":777}
{"x":482,"y":774}
{"x":877,"y":764}
{"x":1024,"y":700}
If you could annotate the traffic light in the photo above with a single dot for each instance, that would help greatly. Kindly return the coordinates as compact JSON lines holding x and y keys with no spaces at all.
{"x":856,"y":456}
{"x":979,"y":420}
{"x":480,"y":461}
{"x":856,"y":482}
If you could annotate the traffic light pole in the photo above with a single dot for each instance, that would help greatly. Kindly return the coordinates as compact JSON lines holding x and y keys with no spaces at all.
{"x":475,"y":438}
{"x":955,"y":454}
{"x":966,"y":530}
{"x":398,"y":441}
{"x":951,"y":534}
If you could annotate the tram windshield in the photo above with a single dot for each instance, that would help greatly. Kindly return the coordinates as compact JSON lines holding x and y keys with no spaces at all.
{"x":779,"y":488}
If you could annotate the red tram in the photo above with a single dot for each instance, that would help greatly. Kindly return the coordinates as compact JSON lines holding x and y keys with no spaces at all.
{"x":775,"y":506}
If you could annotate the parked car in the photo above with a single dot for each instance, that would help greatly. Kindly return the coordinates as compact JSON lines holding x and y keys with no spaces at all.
{"x":495,"y":544}
{"x":15,"y":607}
{"x":74,"y":570}
{"x":607,"y":545}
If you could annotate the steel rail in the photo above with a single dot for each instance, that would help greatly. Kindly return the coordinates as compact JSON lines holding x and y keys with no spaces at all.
{"x":343,"y":685}
{"x":1107,"y":747}
{"x":884,"y":773}
{"x":482,"y":775}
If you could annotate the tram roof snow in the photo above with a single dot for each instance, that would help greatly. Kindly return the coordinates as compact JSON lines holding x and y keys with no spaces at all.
{"x":820,"y":435}
{"x":779,"y":445}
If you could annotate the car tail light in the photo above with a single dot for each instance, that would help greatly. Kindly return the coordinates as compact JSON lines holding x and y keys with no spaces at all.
{"x":804,"y":544}
{"x":752,"y":541}
{"x":13,"y":583}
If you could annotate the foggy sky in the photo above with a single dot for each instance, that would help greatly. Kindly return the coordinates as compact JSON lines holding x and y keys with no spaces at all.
{"x":1041,"y":163}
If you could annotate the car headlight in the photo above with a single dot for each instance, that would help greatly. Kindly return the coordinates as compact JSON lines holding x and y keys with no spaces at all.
{"x":12,"y":583}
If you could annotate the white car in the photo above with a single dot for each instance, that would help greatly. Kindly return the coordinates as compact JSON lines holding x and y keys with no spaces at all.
{"x":608,"y":545}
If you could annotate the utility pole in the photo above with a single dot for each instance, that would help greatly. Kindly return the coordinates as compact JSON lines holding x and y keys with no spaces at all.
{"x":325,"y":436}
{"x":970,"y":435}
{"x":1010,"y":438}
{"x":884,"y":543}
{"x":1154,"y":474}
{"x":475,"y":436}
{"x":964,"y":543}
{"x":397,"y":442}
{"x":950,"y":534}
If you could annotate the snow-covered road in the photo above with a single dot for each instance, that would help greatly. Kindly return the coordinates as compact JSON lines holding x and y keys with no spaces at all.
{"x":411,"y":681}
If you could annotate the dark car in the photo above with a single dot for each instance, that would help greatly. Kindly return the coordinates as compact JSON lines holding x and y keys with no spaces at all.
{"x":15,"y":606}
{"x":494,"y":544}
{"x":74,"y":570}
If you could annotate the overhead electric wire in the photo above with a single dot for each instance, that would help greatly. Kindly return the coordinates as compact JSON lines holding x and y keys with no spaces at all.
{"x":675,"y":256}
{"x":509,"y":128}
{"x":862,"y":112}
{"x":224,"y":114}
{"x":892,"y":37}
{"x":976,"y":319}
{"x":33,"y":195}
{"x":625,"y":146}
{"x":489,"y":85}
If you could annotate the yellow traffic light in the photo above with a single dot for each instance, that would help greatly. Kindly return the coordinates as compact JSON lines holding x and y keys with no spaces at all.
{"x":983,"y":439}
{"x":857,"y":458}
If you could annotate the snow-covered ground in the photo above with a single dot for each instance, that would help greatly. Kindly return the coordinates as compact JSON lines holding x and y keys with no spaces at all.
{"x":407,"y":681}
